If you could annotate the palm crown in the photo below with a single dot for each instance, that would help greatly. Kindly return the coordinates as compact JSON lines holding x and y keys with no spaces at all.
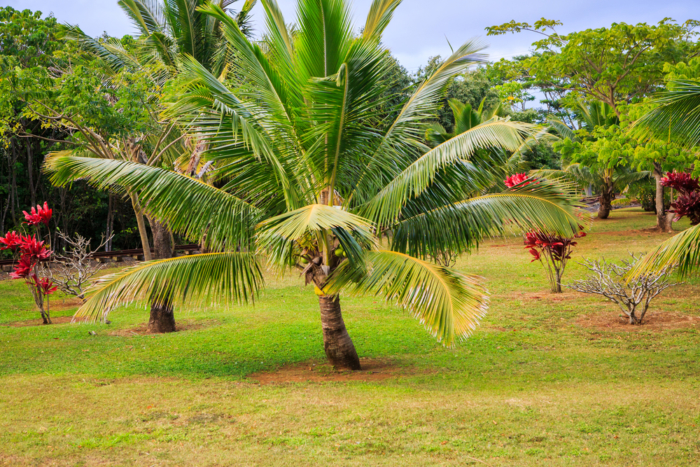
{"x":309,"y":177}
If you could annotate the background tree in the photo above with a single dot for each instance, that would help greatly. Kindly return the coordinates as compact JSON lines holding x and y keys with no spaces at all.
{"x":614,"y":65}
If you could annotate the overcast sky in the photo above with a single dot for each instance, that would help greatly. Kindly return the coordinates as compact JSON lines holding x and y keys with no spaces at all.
{"x":420,"y":28}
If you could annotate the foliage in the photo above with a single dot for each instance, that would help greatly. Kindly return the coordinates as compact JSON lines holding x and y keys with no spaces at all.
{"x":32,"y":252}
{"x":553,"y":251}
{"x":613,"y":65}
{"x":632,"y":297}
{"x":688,"y":201}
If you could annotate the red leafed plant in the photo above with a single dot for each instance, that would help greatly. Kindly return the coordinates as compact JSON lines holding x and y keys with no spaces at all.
{"x":553,"y":251}
{"x":516,"y":179}
{"x":688,"y":201}
{"x":32,"y":252}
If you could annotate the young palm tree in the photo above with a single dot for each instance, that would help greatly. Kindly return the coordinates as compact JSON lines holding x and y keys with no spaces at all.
{"x":606,"y":181}
{"x":308,"y":181}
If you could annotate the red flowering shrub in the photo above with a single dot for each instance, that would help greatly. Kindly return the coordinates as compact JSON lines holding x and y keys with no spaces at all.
{"x":688,"y":201}
{"x":39,"y":215}
{"x":553,"y":251}
{"x":32,"y":252}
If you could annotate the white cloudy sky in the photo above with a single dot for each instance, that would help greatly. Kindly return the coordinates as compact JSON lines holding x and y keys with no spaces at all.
{"x":420,"y":28}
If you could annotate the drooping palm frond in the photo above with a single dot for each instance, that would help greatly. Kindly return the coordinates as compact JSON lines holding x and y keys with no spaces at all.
{"x":449,"y":304}
{"x":676,"y":117}
{"x":385,"y":207}
{"x":546,"y":206}
{"x":205,"y":279}
{"x":682,"y":250}
{"x":190,"y":207}
{"x":275,"y":235}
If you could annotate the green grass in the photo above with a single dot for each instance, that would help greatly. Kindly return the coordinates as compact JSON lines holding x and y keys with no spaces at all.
{"x":530,"y":387}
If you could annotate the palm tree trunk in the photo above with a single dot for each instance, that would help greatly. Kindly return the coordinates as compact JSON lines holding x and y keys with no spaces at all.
{"x":162,"y":312}
{"x":663,"y":220}
{"x":141,"y":226}
{"x":339,"y":347}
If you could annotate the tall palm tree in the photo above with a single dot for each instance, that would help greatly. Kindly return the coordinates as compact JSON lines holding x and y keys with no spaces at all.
{"x":676,"y":118}
{"x":308,"y":181}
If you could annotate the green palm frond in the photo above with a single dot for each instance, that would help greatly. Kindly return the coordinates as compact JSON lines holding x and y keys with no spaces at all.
{"x":449,"y":304}
{"x":682,"y":250}
{"x":547,"y":206}
{"x":226,"y":278}
{"x":379,"y":17}
{"x":189,"y":206}
{"x":561,"y":128}
{"x":275,"y":235}
{"x":677,"y":117}
{"x":400,"y":145}
{"x":386,"y":205}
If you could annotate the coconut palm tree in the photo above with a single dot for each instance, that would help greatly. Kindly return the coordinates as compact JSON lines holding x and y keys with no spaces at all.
{"x":308,"y":180}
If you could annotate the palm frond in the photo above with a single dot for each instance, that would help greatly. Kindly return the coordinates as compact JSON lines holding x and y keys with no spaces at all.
{"x":205,"y":279}
{"x":682,"y":250}
{"x":449,"y":304}
{"x":275,"y":235}
{"x":199,"y":211}
{"x":547,"y":206}
{"x":677,"y":117}
{"x":400,"y":145}
{"x":379,"y":17}
{"x":385,"y":207}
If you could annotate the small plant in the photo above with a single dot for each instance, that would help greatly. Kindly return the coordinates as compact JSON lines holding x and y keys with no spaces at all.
{"x":72,"y":271}
{"x":553,"y":251}
{"x":32,"y":253}
{"x":633,"y":298}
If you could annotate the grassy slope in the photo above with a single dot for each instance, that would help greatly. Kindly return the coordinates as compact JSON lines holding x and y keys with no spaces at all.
{"x":531,"y":387}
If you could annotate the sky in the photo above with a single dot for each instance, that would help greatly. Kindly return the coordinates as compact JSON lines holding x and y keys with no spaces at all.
{"x":420,"y":28}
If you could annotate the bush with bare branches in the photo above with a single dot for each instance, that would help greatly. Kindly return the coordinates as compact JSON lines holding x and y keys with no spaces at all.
{"x":72,"y":271}
{"x":633,"y":296}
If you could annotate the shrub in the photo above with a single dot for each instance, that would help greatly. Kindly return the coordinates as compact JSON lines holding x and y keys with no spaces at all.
{"x":553,"y":251}
{"x":633,"y":297}
{"x":32,"y":254}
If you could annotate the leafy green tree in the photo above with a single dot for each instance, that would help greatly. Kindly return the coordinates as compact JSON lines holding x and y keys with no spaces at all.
{"x":614,"y":65}
{"x":308,"y":181}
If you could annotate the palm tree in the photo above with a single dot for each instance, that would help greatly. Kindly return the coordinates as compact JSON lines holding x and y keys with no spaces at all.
{"x":308,"y":178}
{"x":605,"y":181}
{"x":675,"y":118}
{"x":168,"y":30}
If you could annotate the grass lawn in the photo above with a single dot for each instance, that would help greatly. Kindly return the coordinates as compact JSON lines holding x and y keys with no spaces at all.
{"x":546,"y":380}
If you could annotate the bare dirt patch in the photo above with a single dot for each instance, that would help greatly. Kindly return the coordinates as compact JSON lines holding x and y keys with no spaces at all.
{"x":546,"y":296}
{"x":316,"y":372}
{"x":659,"y":321}
{"x":184,"y":325}
{"x":38,"y":322}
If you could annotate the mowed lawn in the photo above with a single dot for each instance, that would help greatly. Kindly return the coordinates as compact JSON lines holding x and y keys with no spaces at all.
{"x":546,"y":380}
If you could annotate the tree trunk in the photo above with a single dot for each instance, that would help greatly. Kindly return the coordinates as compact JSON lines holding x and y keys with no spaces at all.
{"x":336,"y":340}
{"x":606,"y":198}
{"x":162,"y":312}
{"x":142,"y":227}
{"x":110,"y":222}
{"x":663,"y":220}
{"x":30,"y":173}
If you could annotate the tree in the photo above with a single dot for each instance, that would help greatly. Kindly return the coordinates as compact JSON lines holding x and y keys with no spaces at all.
{"x":612,"y":65}
{"x":606,"y":181}
{"x":308,"y":180}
